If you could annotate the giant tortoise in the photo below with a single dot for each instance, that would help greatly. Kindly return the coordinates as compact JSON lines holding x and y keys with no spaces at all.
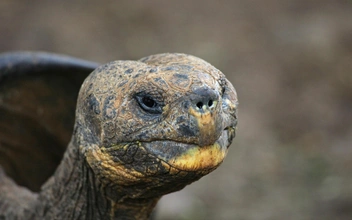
{"x":83,"y":141}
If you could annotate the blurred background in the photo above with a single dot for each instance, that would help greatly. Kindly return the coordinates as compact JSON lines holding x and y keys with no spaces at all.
{"x":290,"y":61}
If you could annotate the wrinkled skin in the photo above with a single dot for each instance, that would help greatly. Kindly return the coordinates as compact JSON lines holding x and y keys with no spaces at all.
{"x":143,"y":129}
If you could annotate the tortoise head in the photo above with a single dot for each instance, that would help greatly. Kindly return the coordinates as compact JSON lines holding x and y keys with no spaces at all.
{"x":155,"y":125}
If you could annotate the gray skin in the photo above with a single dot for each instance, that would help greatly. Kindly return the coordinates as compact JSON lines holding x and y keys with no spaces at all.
{"x":142,"y":129}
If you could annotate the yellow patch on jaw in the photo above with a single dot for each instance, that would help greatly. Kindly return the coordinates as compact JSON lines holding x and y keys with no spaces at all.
{"x":103,"y":165}
{"x":198,"y":158}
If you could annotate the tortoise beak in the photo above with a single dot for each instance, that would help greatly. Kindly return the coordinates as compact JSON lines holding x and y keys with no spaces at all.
{"x":208,"y":123}
{"x":205,"y":110}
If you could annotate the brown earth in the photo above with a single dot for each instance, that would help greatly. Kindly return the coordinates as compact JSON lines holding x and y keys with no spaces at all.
{"x":290,"y":61}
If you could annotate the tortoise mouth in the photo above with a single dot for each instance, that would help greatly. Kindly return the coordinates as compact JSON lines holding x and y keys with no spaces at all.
{"x":169,"y":161}
{"x":191,"y":157}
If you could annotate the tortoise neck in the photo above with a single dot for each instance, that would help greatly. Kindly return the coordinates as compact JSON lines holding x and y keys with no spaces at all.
{"x":75,"y":193}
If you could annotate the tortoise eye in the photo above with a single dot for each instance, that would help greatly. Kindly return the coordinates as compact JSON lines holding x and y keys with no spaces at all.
{"x":147,"y":101}
{"x":148,"y":104}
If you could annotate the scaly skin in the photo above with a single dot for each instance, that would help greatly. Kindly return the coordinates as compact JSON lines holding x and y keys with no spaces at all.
{"x":143,"y":129}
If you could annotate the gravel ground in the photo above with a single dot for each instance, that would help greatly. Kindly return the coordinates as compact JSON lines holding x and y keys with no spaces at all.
{"x":290,"y":61}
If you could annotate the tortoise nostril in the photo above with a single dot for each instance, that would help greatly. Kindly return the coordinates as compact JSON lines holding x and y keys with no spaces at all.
{"x":210,"y":103}
{"x":204,"y":99}
{"x":200,"y":105}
